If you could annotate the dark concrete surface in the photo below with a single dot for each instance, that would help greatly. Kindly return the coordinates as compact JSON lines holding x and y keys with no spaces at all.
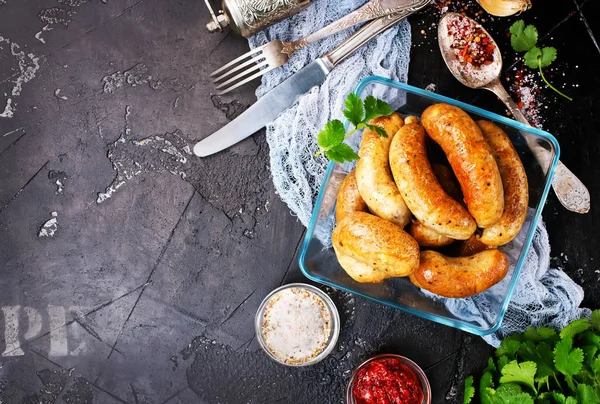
{"x":143,"y":285}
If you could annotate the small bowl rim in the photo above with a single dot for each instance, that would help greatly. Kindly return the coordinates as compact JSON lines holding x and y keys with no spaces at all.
{"x":335,"y":323}
{"x":426,"y":387}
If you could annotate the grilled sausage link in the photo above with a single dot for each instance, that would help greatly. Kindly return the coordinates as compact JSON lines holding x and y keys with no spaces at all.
{"x":348,"y":198}
{"x":514,"y":182}
{"x":371,"y":249}
{"x":373,"y":176}
{"x":470,"y":158}
{"x":420,"y":188}
{"x":462,"y":276}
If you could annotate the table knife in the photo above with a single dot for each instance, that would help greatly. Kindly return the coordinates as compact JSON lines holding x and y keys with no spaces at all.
{"x":267,"y":108}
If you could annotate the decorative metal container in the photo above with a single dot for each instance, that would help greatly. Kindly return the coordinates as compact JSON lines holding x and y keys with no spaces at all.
{"x":247,"y":17}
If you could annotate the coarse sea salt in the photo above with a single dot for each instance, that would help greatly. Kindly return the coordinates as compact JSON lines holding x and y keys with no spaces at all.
{"x":296,"y":325}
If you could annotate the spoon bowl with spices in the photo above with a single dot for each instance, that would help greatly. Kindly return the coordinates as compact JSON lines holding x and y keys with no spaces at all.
{"x":473,"y":57}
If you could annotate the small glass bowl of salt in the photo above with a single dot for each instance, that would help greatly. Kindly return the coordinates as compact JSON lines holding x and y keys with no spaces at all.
{"x":297,"y":325}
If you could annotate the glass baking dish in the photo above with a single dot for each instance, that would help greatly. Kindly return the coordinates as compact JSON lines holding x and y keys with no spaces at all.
{"x":318,"y":261}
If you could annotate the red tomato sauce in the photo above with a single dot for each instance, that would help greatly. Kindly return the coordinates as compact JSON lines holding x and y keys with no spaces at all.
{"x":387,"y":381}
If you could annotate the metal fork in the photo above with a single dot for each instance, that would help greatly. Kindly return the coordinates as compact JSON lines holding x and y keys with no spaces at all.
{"x":276,"y":53}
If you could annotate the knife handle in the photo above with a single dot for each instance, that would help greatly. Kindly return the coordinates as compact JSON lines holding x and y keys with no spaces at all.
{"x":365,"y":34}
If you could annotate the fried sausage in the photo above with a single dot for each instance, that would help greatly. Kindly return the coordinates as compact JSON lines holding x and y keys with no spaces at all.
{"x":371,"y":249}
{"x":420,"y":188}
{"x":462,"y":276}
{"x":471,"y":246}
{"x":514,"y":182}
{"x":348,"y":198}
{"x":426,"y":237}
{"x":373,"y":175}
{"x":470,"y":158}
{"x":448,"y":181}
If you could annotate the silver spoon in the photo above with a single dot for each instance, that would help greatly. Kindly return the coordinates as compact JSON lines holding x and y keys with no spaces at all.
{"x":569,"y":189}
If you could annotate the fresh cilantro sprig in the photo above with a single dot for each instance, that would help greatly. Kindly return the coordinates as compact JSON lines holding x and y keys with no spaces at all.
{"x":543,"y":366}
{"x":524,"y":39}
{"x":359,"y":113}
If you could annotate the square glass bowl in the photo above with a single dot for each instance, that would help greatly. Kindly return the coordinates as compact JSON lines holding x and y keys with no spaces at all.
{"x":319,"y":263}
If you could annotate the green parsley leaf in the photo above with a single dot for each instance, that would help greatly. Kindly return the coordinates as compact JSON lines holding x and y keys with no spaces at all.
{"x":548,"y":56}
{"x":568,"y":361}
{"x":596,"y":319}
{"x":538,"y":334}
{"x":355,"y":110}
{"x":511,"y":394}
{"x":376,"y":128}
{"x":374,"y":108}
{"x":586,"y":394}
{"x":509,"y":347}
{"x":576,"y":327}
{"x":502,"y":361}
{"x":469,"y":390}
{"x":491,"y":366}
{"x":595,"y":366}
{"x":561,"y":399}
{"x":531,"y":58}
{"x":486,"y":388}
{"x":340,"y":153}
{"x":332,"y":135}
{"x":523,"y":38}
{"x":523,"y":373}
{"x":331,"y":138}
{"x":545,"y":361}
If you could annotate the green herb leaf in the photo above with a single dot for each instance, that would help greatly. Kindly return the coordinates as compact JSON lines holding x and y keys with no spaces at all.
{"x":545,"y":362}
{"x":538,"y":334}
{"x":491,"y":366}
{"x":331,"y":138}
{"x":469,"y":390}
{"x":596,"y":319}
{"x":332,"y":135}
{"x":523,"y":373}
{"x":341,"y":153}
{"x":523,"y":38}
{"x":561,"y":399}
{"x":355,"y":110}
{"x":486,"y":388}
{"x":531,"y":58}
{"x":586,"y":394}
{"x":374,"y":108}
{"x":595,"y":366}
{"x":511,"y":394}
{"x":380,"y":131}
{"x":568,"y":361}
{"x":548,"y":56}
{"x":576,"y":327}
{"x":502,"y":361}
{"x":509,"y":347}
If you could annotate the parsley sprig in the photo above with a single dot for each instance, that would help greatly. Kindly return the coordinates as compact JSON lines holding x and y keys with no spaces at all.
{"x":524,"y":39}
{"x":543,"y":366}
{"x":359,"y":113}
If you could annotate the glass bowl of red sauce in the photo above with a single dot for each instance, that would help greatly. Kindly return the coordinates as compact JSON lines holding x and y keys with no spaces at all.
{"x":388,"y":379}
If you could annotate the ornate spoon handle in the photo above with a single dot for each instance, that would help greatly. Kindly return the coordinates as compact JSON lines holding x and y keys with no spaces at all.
{"x":370,"y":11}
{"x":569,"y":189}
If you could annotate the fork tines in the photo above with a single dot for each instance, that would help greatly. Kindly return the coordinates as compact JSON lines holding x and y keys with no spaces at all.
{"x":246,"y":68}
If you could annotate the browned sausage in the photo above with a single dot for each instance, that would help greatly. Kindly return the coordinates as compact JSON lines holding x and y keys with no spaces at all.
{"x":471,"y":246}
{"x":448,"y":182}
{"x":426,"y":237}
{"x":420,"y":188}
{"x":373,"y":175}
{"x":470,"y":158}
{"x":371,"y":249}
{"x":348,"y":198}
{"x":462,"y":276}
{"x":514,"y":182}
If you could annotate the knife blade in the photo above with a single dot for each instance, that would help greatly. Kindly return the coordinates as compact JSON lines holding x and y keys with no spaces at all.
{"x":265,"y":110}
{"x":272,"y":104}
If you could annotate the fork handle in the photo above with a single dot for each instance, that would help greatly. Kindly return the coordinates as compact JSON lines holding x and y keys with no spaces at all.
{"x":362,"y":36}
{"x":370,"y":11}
